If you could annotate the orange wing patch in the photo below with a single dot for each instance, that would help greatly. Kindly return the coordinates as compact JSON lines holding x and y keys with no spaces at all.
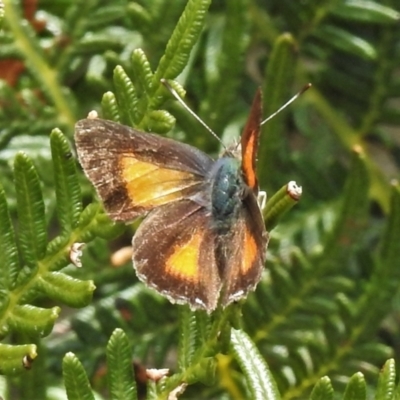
{"x":184,"y":261}
{"x":149,"y":185}
{"x":250,"y":252}
{"x":249,"y":142}
{"x":248,"y":161}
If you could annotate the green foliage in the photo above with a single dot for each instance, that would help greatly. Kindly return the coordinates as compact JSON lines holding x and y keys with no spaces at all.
{"x":260,"y":381}
{"x":324,"y":317}
{"x":29,"y":264}
{"x":122,"y":386}
{"x":76,"y":381}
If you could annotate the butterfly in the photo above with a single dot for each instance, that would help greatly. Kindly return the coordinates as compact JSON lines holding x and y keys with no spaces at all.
{"x":203,"y":240}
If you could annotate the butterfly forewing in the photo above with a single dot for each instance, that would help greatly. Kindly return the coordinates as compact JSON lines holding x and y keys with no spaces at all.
{"x":135,"y":172}
{"x":249,"y":143}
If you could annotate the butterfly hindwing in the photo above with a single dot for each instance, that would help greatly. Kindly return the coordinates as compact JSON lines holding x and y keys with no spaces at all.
{"x":135,"y":172}
{"x":174,"y":253}
{"x":245,"y":260}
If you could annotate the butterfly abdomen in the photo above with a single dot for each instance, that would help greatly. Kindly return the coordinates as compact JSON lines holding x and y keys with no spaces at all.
{"x":227,"y":188}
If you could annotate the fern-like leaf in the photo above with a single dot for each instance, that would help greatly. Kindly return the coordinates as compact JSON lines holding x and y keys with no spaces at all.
{"x":182,"y":40}
{"x":322,"y":390}
{"x":259,"y":378}
{"x":187,"y":337}
{"x":279,"y":75}
{"x":387,"y":381}
{"x":9,"y":263}
{"x":14,"y":359}
{"x":68,"y":193}
{"x":32,"y":227}
{"x":75,"y":379}
{"x":121,"y":380}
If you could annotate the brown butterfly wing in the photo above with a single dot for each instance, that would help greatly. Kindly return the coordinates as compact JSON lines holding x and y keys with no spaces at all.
{"x":133,"y":171}
{"x":244,"y":261}
{"x":174,"y":253}
{"x":245,"y":245}
{"x":250,"y":141}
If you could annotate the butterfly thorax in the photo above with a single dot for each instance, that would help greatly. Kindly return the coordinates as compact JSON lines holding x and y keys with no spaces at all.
{"x":227,"y":192}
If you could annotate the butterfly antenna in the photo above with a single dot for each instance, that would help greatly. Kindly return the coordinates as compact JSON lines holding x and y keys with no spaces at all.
{"x":306,"y":87}
{"x":177,"y":97}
